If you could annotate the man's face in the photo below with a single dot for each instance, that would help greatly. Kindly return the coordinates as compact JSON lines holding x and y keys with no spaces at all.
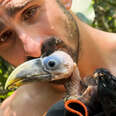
{"x":26,"y":26}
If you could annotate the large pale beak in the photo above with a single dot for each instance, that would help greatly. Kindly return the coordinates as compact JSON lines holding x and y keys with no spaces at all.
{"x":27,"y":72}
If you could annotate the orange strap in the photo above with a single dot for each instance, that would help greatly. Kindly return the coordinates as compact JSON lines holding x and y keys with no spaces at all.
{"x":79,"y":113}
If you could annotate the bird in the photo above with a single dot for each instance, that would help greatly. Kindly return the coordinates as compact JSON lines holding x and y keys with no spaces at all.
{"x":57,"y":68}
{"x":106,"y":90}
{"x":102,"y":85}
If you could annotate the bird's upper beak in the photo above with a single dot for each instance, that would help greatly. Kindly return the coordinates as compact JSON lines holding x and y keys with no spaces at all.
{"x":27,"y":72}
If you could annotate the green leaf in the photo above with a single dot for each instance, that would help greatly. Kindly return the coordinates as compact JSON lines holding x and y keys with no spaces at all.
{"x":84,"y":10}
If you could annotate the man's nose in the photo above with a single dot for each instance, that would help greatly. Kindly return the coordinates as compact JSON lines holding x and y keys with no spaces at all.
{"x":32,"y":45}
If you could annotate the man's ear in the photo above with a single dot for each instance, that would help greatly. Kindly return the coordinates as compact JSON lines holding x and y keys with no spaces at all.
{"x":67,"y":3}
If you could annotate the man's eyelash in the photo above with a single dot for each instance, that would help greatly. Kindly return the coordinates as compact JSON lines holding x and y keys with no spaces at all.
{"x":5,"y":36}
{"x":29,"y":12}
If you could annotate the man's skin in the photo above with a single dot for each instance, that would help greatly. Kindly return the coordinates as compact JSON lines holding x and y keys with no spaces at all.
{"x":35,"y":21}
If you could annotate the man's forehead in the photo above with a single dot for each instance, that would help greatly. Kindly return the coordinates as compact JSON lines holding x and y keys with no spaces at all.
{"x":14,"y":3}
{"x":13,"y":6}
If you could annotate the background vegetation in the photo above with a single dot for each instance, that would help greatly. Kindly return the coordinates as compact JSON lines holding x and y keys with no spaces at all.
{"x":105,"y":19}
{"x":105,"y":11}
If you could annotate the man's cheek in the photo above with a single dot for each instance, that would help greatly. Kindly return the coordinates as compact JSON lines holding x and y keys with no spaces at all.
{"x":14,"y":55}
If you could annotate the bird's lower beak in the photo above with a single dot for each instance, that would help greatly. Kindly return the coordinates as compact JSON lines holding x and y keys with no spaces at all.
{"x":27,"y":72}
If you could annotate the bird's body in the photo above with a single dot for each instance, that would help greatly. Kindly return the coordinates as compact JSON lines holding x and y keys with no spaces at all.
{"x":102,"y":101}
{"x":100,"y":93}
{"x":106,"y":91}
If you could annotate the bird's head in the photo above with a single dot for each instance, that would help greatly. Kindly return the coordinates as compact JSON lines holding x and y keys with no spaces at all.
{"x":104,"y":78}
{"x":101,"y":72}
{"x":54,"y":68}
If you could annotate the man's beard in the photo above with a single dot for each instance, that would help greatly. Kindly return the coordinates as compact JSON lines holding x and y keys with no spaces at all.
{"x":53,"y":43}
{"x":71,"y":27}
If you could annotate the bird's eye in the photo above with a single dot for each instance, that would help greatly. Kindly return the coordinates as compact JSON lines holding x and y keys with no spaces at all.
{"x":5,"y":36}
{"x":29,"y":13}
{"x":51,"y":63}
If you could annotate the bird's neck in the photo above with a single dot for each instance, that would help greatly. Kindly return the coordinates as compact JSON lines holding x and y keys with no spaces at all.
{"x":34,"y":99}
{"x":45,"y":94}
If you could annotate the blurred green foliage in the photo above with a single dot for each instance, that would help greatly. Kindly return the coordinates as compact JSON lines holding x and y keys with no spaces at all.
{"x":5,"y":69}
{"x":105,"y":11}
{"x":105,"y":19}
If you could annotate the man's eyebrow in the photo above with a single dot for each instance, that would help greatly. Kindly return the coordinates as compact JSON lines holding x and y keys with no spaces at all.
{"x":12,"y":11}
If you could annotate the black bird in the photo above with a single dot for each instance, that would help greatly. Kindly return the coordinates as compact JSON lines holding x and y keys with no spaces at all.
{"x":106,"y":91}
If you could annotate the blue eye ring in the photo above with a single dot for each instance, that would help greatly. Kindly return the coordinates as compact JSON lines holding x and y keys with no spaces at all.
{"x":51,"y":62}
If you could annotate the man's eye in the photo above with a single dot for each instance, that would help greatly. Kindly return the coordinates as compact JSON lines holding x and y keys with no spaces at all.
{"x":29,"y":13}
{"x":5,"y":36}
